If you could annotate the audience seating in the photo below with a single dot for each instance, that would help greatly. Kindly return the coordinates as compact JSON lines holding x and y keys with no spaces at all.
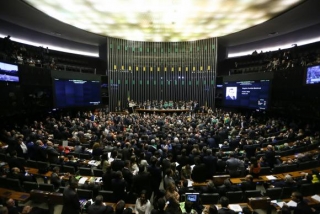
{"x":84,"y":194}
{"x":46,"y":187}
{"x":97,"y":172}
{"x":307,"y":189}
{"x":265,"y":171}
{"x":252,"y":194}
{"x":308,"y":165}
{"x":28,"y":186}
{"x":85,"y":171}
{"x":68,"y":169}
{"x":209,"y":198}
{"x":274,"y":193}
{"x":31,"y":164}
{"x":235,"y":197}
{"x":14,"y":184}
{"x":107,"y":195}
{"x":287,"y":191}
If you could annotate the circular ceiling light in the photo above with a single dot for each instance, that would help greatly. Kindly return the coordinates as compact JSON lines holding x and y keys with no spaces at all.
{"x":162,"y":20}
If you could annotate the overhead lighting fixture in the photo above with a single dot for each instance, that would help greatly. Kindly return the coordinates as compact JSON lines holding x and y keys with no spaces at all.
{"x":178,"y":18}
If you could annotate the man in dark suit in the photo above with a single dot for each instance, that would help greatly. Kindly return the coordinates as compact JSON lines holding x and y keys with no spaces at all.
{"x":119,"y":187}
{"x":98,"y":208}
{"x":199,"y":172}
{"x":224,"y":201}
{"x":270,"y":155}
{"x":211,"y":163}
{"x":52,"y":153}
{"x":71,"y":204}
{"x":117,"y":164}
{"x":127,"y":174}
{"x":302,"y":206}
{"x":248,"y":184}
{"x":142,"y":181}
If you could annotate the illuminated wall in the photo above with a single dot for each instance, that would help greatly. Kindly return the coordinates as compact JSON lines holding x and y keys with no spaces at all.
{"x":175,"y":71}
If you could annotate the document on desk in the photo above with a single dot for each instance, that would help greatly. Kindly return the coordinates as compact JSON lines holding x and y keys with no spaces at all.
{"x":280,"y":203}
{"x":271,"y":177}
{"x":235,"y":207}
{"x":190,"y":182}
{"x":83,"y":180}
{"x":316,"y":197}
{"x":292,"y":204}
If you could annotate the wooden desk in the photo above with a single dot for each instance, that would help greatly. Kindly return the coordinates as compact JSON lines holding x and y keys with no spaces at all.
{"x":219,"y":179}
{"x":163,"y":110}
{"x":18,"y":196}
{"x":242,"y":205}
{"x":311,"y":202}
{"x":292,"y":157}
{"x":35,"y":171}
{"x":300,"y":173}
{"x":262,"y":178}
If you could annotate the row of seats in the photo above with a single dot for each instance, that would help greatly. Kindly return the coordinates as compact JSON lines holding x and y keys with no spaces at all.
{"x":285,"y":192}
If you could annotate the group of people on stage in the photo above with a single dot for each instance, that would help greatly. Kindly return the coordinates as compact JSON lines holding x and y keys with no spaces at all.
{"x":164,"y":104}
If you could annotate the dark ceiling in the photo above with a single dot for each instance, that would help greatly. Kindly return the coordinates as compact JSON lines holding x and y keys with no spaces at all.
{"x":19,"y":14}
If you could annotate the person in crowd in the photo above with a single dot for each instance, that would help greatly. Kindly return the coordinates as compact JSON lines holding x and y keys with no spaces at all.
{"x":71,"y":204}
{"x":270,"y":156}
{"x":161,"y":207}
{"x":52,"y":153}
{"x":254,"y":168}
{"x":234,"y":166}
{"x":143,"y":205}
{"x":119,"y":186}
{"x":199,"y":171}
{"x":11,"y":206}
{"x":224,"y":201}
{"x":98,"y":207}
{"x":315,"y":176}
{"x":120,"y":207}
{"x":248,"y":184}
{"x":287,"y":182}
{"x":212,"y":209}
{"x":302,"y":206}
{"x":56,"y":179}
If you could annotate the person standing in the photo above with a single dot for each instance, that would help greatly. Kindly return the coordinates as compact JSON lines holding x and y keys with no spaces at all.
{"x":71,"y":204}
{"x":143,"y":205}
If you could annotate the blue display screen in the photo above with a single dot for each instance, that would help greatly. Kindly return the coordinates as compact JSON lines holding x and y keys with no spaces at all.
{"x":247,"y":94}
{"x":76,"y":93}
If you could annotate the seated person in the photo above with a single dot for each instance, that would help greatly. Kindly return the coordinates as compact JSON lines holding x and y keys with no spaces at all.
{"x":227,"y":187}
{"x":56,"y":179}
{"x":287,"y":182}
{"x":224,"y":201}
{"x":210,"y":188}
{"x":98,"y":207}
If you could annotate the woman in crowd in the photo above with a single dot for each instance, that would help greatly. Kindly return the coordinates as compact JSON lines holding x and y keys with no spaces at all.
{"x":143,"y":205}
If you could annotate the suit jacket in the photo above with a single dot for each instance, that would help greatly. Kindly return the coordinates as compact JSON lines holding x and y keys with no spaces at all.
{"x":128,"y":177}
{"x":99,"y":209}
{"x":302,"y":208}
{"x":71,"y":204}
{"x":211,"y":164}
{"x":199,"y":173}
{"x":224,"y":210}
{"x":52,"y":154}
{"x":119,"y":189}
{"x":141,"y":182}
{"x":117,"y":165}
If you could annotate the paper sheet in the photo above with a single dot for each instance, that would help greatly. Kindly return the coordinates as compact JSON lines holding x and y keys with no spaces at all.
{"x":316,"y":197}
{"x":280,"y":204}
{"x":292,"y":204}
{"x":190,"y":182}
{"x":83,"y":180}
{"x":235,"y":207}
{"x":271,"y":177}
